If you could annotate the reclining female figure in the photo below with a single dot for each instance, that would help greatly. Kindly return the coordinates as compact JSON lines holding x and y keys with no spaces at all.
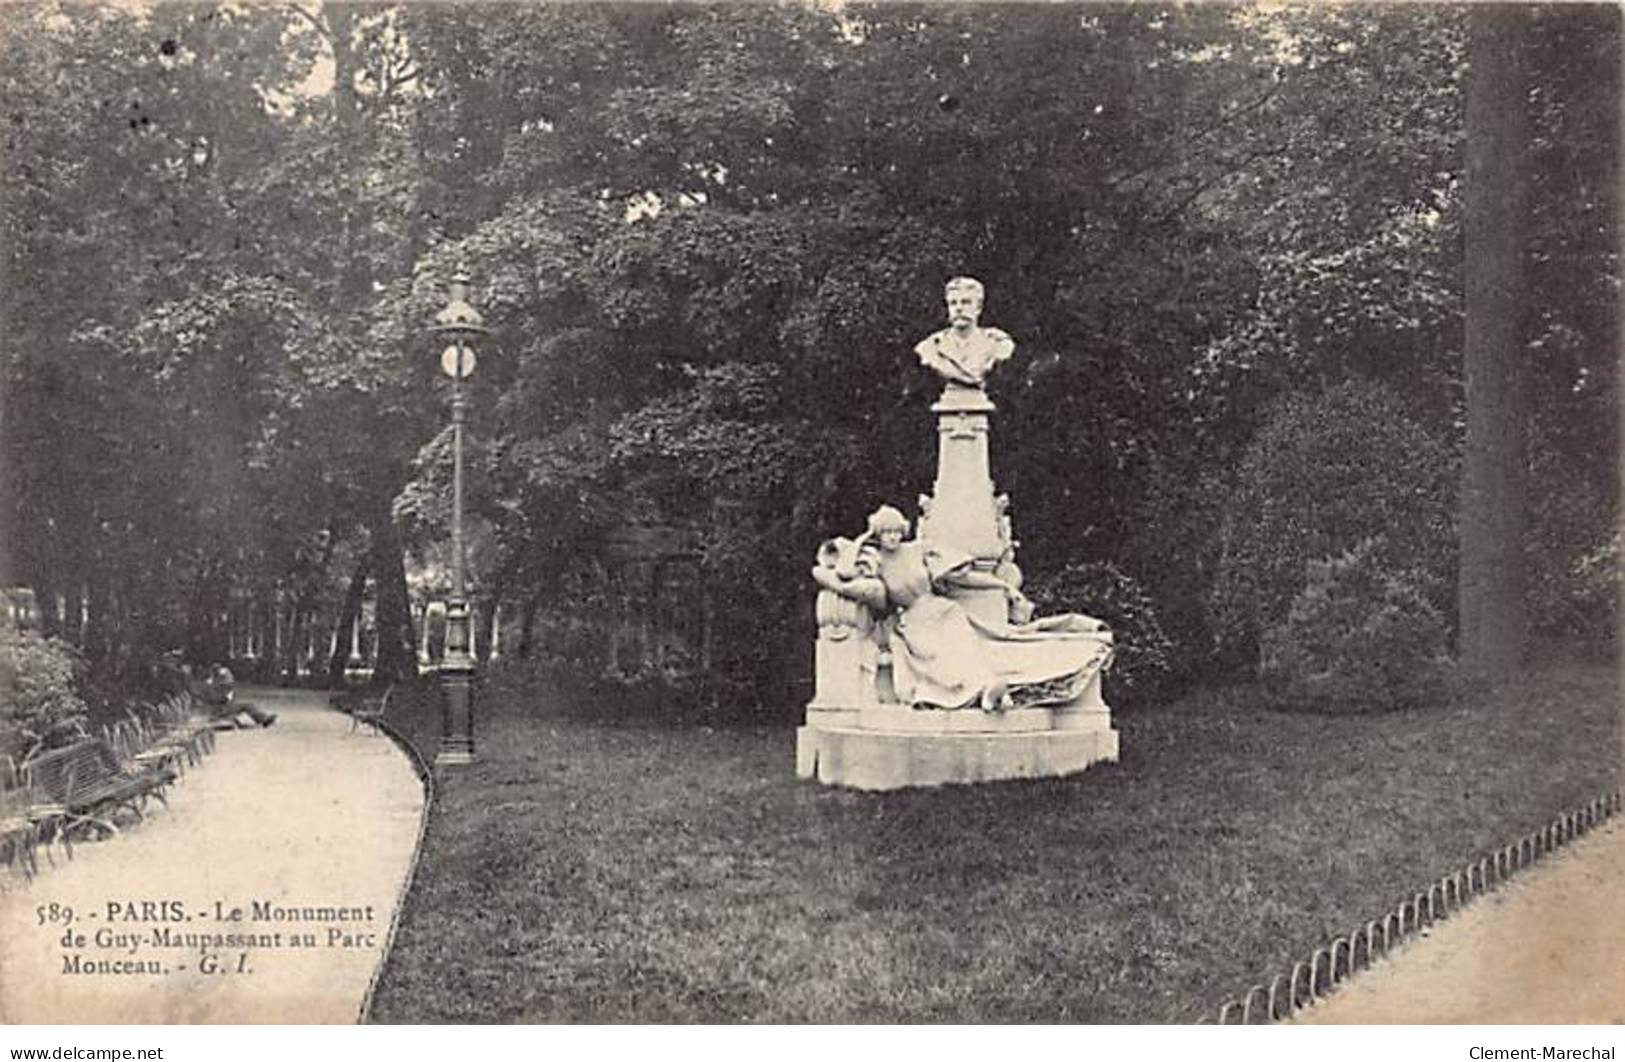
{"x":942,"y":656}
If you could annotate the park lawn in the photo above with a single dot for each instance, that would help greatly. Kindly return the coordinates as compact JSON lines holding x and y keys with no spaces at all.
{"x":638,"y":873}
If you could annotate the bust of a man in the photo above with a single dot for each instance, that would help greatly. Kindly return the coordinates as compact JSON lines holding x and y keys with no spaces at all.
{"x":964,"y":353}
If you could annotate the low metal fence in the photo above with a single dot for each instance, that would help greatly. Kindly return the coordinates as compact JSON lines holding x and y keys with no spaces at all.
{"x":1329,"y":965}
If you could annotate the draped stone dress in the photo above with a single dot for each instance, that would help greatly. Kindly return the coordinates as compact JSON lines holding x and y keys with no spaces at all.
{"x":942,"y":657}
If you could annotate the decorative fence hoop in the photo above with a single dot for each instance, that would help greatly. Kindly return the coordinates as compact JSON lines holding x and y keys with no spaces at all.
{"x":1359,"y":960}
{"x":1247,"y":1006}
{"x":1275,"y":985}
{"x":1293,"y":1001}
{"x":1346,"y":944}
{"x":1314,"y":973}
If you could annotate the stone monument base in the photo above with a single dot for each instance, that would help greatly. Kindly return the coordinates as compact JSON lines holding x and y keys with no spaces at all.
{"x":895,"y":747}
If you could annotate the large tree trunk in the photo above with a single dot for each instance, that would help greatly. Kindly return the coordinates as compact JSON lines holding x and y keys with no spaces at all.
{"x":1493,"y":499}
{"x":1620,"y":458}
{"x":396,"y":659}
{"x":347,"y":616}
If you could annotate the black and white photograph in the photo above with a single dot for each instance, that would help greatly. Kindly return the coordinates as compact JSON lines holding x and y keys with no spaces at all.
{"x":811,"y":513}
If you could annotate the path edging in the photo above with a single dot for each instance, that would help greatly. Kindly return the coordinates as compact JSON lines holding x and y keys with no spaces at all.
{"x":426,"y":777}
{"x":1320,"y":972}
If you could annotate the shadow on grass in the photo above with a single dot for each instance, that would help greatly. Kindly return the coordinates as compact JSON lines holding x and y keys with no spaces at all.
{"x":598,"y":873}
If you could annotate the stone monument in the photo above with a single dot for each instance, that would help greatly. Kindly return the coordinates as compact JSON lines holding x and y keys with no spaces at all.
{"x":929,"y":666}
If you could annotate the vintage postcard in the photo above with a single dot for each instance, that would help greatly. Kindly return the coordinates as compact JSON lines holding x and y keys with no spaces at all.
{"x":812,"y":513}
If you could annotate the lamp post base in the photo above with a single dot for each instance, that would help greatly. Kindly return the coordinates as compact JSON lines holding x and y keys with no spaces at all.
{"x":456,"y":681}
{"x":457,"y":729}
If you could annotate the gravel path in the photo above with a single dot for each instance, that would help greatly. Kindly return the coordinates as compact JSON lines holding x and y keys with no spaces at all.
{"x":1546,"y":948}
{"x":263,"y":894}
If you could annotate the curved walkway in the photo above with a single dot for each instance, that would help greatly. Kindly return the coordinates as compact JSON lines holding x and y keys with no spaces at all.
{"x":263,"y":894}
{"x":1546,"y":948}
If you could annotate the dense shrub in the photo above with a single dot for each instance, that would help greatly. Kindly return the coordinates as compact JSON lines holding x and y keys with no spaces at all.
{"x":1574,"y":593}
{"x":1144,"y":654}
{"x":1594,"y":579}
{"x":1325,"y":472}
{"x":1357,"y":638}
{"x":1572,"y":550}
{"x":39,"y":689}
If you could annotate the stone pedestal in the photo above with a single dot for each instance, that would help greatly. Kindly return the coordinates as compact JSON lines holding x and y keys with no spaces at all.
{"x":897,"y":747}
{"x":961,"y":514}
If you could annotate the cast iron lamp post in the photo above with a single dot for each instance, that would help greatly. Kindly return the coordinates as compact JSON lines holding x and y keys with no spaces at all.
{"x":460,"y":324}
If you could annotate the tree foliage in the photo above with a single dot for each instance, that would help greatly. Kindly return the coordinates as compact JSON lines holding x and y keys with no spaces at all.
{"x":39,"y":690}
{"x":707,"y":238}
{"x":1305,"y":491}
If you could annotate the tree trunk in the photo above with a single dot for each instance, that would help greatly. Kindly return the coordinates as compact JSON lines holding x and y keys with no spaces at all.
{"x":1493,"y":499}
{"x":94,"y":639}
{"x":485,"y":623}
{"x":396,"y":659}
{"x":206,"y":641}
{"x":527,"y":625}
{"x":73,"y":618}
{"x":45,"y":606}
{"x":296,"y":640}
{"x":348,"y":611}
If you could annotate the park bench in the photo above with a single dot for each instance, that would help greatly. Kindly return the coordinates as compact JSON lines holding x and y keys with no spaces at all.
{"x":168,"y":734}
{"x":370,"y":710}
{"x":184,"y":718}
{"x":179,"y":721}
{"x":140,"y":743}
{"x":92,"y":783}
{"x":47,"y":818}
{"x":19,"y":832}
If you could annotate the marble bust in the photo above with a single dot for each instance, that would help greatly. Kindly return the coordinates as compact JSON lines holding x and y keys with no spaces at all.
{"x":964,"y":352}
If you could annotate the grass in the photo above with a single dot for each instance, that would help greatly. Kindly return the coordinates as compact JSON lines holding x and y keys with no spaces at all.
{"x":637,"y":873}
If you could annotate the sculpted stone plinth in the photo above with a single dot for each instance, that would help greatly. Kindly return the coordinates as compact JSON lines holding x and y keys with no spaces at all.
{"x":930,"y":667}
